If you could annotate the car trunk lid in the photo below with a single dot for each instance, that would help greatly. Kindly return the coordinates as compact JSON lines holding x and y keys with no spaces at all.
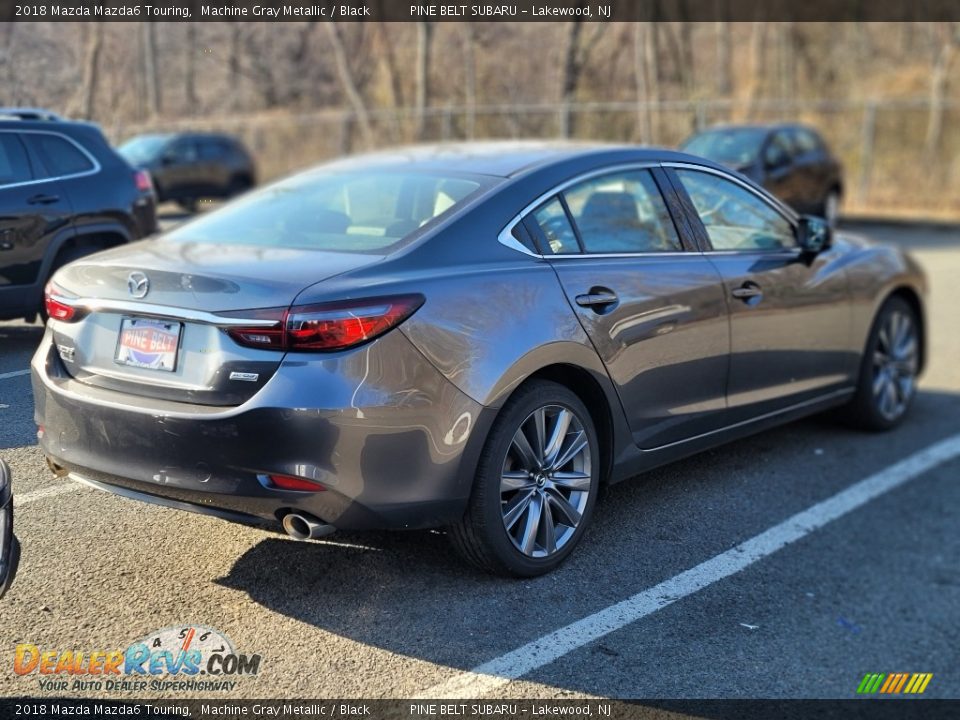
{"x":152,"y":317}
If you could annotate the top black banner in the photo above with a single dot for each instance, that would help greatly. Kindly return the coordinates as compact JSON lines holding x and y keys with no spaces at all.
{"x":517,"y":11}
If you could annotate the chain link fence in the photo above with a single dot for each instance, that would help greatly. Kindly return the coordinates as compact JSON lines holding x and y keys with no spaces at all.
{"x":891,"y":167}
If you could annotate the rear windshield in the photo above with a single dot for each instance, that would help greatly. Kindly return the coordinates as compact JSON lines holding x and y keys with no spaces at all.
{"x":731,"y":147}
{"x":366,"y":212}
{"x":142,"y":148}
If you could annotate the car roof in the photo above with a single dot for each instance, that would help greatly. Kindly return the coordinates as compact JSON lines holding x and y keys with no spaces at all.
{"x":503,"y":158}
{"x":763,"y":127}
{"x":13,"y":123}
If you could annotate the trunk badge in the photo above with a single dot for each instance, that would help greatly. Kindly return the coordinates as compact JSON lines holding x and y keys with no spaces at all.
{"x":138,"y":284}
{"x":247,"y":377}
{"x":67,"y":353}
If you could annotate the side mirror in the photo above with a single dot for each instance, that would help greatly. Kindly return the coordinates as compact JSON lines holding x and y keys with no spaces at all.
{"x":815,"y":234}
{"x":9,"y":548}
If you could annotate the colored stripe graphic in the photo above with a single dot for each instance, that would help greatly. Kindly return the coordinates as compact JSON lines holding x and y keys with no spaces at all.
{"x":894,"y":683}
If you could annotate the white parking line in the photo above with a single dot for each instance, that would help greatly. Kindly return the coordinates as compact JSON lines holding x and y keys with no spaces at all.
{"x":542,"y":651}
{"x":67,"y":487}
{"x":15,"y":373}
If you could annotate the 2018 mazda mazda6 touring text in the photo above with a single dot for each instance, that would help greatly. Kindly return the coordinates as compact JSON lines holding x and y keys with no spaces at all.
{"x":475,"y":337}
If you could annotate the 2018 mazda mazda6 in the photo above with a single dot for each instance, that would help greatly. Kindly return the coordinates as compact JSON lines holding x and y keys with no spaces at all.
{"x":473,"y":337}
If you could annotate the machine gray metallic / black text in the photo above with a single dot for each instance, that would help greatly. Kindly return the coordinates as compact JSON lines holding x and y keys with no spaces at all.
{"x":472,"y":337}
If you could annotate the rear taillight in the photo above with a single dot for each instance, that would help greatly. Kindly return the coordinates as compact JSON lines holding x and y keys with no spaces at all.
{"x":269,"y":337}
{"x":328,"y":326}
{"x":289,"y":482}
{"x":55,"y":307}
{"x":143,"y":181}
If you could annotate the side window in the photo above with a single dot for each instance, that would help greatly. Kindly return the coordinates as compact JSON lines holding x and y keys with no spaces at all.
{"x":735,"y":218}
{"x":59,"y":156}
{"x":212,"y":149}
{"x":778,"y":151}
{"x":622,"y":213}
{"x":14,"y":166}
{"x":806,"y":141}
{"x":553,"y":222}
{"x":183,"y":151}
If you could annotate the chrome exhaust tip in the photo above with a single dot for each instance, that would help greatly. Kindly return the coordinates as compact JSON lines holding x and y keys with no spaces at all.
{"x":301,"y":526}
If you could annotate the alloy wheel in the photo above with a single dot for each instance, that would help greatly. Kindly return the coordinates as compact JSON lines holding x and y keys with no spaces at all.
{"x":545,"y":481}
{"x":895,"y":365}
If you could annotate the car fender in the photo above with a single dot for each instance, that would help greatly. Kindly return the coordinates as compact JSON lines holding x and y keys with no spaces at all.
{"x":874,"y":273}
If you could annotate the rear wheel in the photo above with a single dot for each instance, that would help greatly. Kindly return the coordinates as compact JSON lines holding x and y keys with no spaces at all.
{"x":888,"y":369}
{"x":189,"y":205}
{"x":239,"y":184}
{"x":535,"y":487}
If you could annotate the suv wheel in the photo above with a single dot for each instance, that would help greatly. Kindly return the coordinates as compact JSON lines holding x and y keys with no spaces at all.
{"x":536,"y":484}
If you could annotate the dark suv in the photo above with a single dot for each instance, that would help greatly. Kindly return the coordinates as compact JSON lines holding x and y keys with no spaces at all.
{"x":64,"y":193}
{"x":791,"y":161}
{"x":189,"y":167}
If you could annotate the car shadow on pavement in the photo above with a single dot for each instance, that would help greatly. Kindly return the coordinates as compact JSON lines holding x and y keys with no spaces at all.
{"x":407,"y":592}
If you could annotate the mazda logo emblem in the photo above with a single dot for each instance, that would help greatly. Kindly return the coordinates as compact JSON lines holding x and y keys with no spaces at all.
{"x":138,"y":284}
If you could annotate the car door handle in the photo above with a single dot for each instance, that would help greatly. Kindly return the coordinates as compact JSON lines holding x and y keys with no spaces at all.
{"x":748,"y":291}
{"x":43,"y":199}
{"x":597,"y":298}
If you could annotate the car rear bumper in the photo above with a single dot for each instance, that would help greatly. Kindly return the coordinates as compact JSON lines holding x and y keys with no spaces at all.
{"x":392,"y":441}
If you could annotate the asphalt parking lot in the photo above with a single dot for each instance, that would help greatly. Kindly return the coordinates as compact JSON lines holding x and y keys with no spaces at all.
{"x":397,"y":615}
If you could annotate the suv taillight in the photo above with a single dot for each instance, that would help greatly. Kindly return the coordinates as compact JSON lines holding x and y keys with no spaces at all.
{"x":143,"y":181}
{"x":328,"y":326}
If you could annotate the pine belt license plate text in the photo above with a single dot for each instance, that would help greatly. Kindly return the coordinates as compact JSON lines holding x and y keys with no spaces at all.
{"x":148,"y":343}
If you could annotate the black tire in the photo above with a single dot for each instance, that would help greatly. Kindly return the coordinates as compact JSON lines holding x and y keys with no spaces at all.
{"x":865,"y":411}
{"x":189,"y":205}
{"x":239,"y":184}
{"x":482,"y":537}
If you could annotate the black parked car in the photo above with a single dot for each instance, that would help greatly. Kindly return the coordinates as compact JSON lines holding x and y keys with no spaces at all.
{"x":791,"y":161}
{"x":64,"y":193}
{"x":187,"y":168}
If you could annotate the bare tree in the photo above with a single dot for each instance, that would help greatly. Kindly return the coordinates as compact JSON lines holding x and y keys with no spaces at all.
{"x":151,"y":71}
{"x":645,"y":77}
{"x":469,"y":79}
{"x":939,"y":77}
{"x":724,"y":76}
{"x":422,"y":96}
{"x":190,"y":71}
{"x":756,"y":72}
{"x":91,"y":69}
{"x":347,"y":80}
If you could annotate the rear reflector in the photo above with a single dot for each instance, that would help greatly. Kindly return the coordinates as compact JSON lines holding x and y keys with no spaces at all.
{"x":328,"y":326}
{"x":288,"y":482}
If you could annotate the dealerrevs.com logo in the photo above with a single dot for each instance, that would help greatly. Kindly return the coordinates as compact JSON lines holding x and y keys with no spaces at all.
{"x":189,"y":658}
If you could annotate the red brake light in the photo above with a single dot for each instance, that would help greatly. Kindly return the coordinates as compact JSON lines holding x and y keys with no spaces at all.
{"x":57,"y":310}
{"x":288,"y":482}
{"x":328,"y":326}
{"x":143,"y":181}
{"x":335,"y":326}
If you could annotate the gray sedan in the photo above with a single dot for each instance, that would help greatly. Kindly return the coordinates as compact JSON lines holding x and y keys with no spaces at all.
{"x":473,"y":337}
